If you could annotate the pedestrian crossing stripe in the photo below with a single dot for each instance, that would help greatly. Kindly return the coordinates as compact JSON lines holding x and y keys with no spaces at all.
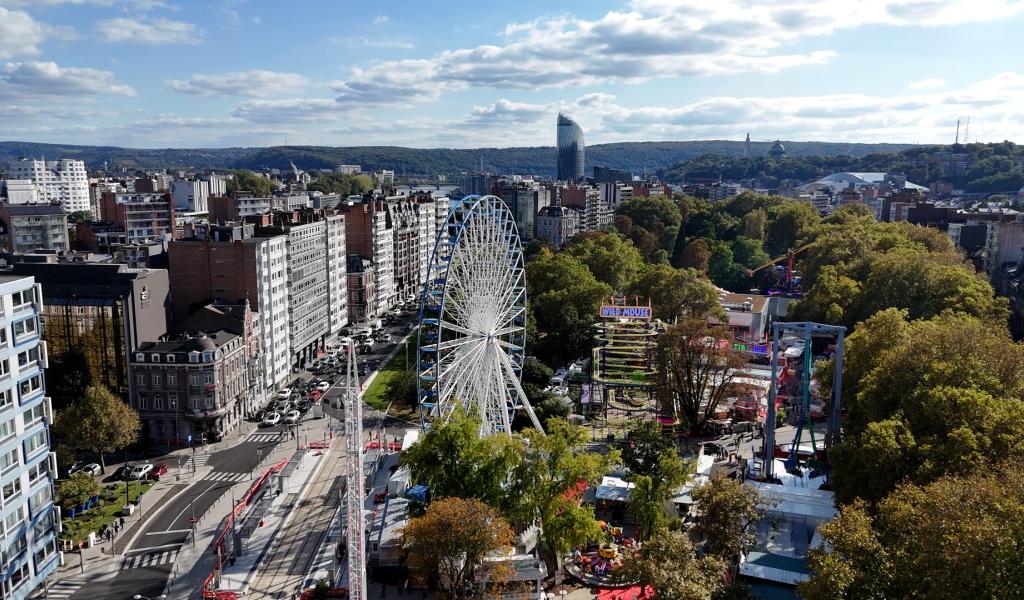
{"x":264,"y":437}
{"x":201,"y":459}
{"x":62,"y":588}
{"x":149,"y":560}
{"x":226,"y":477}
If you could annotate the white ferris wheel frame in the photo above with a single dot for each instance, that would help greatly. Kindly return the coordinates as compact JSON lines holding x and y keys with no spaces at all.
{"x":471,"y":340}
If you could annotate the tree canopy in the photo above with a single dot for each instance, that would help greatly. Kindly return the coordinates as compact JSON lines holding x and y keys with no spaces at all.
{"x":611,"y":258}
{"x":100,"y":422}
{"x":669,"y":563}
{"x":250,"y":182}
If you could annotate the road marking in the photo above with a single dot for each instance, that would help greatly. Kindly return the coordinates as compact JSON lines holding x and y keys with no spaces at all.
{"x":155,"y":548}
{"x":149,"y":560}
{"x":63,"y":588}
{"x":169,"y":531}
{"x":189,"y":505}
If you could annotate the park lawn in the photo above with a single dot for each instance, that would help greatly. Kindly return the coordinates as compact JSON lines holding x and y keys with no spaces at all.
{"x":377,"y":394}
{"x":111,"y":501}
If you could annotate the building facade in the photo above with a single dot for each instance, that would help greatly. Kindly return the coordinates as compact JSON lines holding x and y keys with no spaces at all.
{"x":525,"y":199}
{"x":558,"y":224}
{"x":571,"y":150}
{"x":20,"y":191}
{"x":361,"y":296}
{"x":64,"y":181}
{"x":31,"y":521}
{"x":31,"y":227}
{"x":369,"y":232}
{"x":190,"y":195}
{"x":144,"y":217}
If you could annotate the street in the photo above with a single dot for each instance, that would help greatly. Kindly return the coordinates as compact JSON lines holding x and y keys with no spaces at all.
{"x":149,"y":560}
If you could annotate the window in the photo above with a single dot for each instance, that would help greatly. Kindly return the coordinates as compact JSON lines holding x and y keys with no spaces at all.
{"x":11,"y":520}
{"x":208,"y":377}
{"x":24,"y":328}
{"x":154,"y":357}
{"x":207,"y":356}
{"x":157,"y":380}
{"x":142,"y":399}
{"x":193,"y":357}
{"x":34,"y":443}
{"x":140,"y":357}
{"x":28,"y":357}
{"x":140,"y":378}
{"x":21,"y":298}
{"x":9,"y":460}
{"x":6,"y":399}
{"x":170,"y":358}
{"x":37,"y":471}
{"x":16,"y":548}
{"x":172,"y":401}
{"x":45,"y":552}
{"x":40,"y":498}
{"x":30,"y":416}
{"x":12,"y":489}
{"x":30,"y":386}
{"x":5,"y":368}
{"x":19,"y":576}
{"x":6,"y":428}
{"x":172,"y":379}
{"x":3,"y":336}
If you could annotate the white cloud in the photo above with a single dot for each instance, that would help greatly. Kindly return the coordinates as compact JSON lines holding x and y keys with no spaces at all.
{"x":253,"y":83}
{"x":42,"y":79}
{"x":140,"y":5}
{"x":290,"y":110}
{"x":381,"y":19}
{"x":924,"y":84}
{"x":20,"y":34}
{"x":152,"y":32}
{"x":658,"y":39}
{"x":373,"y":42}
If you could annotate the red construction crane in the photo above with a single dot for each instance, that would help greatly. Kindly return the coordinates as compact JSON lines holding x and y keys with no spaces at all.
{"x":788,"y":257}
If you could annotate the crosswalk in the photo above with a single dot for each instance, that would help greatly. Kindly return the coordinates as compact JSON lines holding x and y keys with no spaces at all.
{"x":201,"y":459}
{"x":57,"y":590}
{"x":232,"y":477}
{"x":151,"y":559}
{"x":264,"y":437}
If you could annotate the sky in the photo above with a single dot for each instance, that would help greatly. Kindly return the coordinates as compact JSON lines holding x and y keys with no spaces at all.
{"x":453,"y":73}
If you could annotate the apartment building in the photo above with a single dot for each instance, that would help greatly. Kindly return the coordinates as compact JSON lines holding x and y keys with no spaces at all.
{"x":31,"y":521}
{"x":414,"y":220}
{"x":525,"y":199}
{"x":190,"y":195}
{"x":361,"y":296}
{"x":558,"y":224}
{"x":596,"y":213}
{"x":144,"y":217}
{"x":20,"y":191}
{"x":31,"y":227}
{"x":369,"y":232}
{"x":64,"y":181}
{"x":199,"y":384}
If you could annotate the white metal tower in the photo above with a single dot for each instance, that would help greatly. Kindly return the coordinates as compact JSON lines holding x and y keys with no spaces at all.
{"x":355,"y":523}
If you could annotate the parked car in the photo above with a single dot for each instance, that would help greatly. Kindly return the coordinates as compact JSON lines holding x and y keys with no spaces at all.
{"x":323,"y":386}
{"x":259,"y":416}
{"x":140,"y":471}
{"x":90,"y":468}
{"x":159,"y":470}
{"x":292,"y":417}
{"x":284,"y":393}
{"x":121,"y":473}
{"x":272,"y":419}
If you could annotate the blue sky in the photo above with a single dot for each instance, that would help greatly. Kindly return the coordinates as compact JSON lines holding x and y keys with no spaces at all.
{"x":156,"y":73}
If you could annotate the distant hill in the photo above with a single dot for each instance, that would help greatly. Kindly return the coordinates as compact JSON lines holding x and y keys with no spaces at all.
{"x":638,"y":157}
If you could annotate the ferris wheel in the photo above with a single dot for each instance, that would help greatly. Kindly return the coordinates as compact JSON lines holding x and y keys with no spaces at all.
{"x":473,"y":318}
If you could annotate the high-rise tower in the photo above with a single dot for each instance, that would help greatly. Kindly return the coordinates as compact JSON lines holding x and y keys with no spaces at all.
{"x":571,"y":149}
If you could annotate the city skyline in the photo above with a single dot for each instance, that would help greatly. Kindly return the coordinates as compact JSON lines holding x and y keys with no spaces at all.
{"x":145,"y":73}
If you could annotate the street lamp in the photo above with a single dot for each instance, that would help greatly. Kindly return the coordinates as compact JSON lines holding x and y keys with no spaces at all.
{"x":177,"y":434}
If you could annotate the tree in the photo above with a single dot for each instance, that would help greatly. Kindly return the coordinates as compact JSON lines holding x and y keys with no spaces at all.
{"x":676,"y":293}
{"x":651,"y":493}
{"x":696,"y":365}
{"x":101,"y":423}
{"x":957,"y":537}
{"x":668,"y":563}
{"x":611,"y":258}
{"x":728,"y":509}
{"x":788,"y":223}
{"x":923,"y":399}
{"x":250,"y":182}
{"x":754,"y":224}
{"x":454,"y":461}
{"x":402,"y":389}
{"x":644,"y":445}
{"x":543,"y":488}
{"x":564,"y":301}
{"x":696,"y":255}
{"x":75,"y":490}
{"x":451,"y":538}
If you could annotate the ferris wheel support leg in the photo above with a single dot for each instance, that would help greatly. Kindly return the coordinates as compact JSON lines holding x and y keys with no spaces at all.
{"x":519,"y":388}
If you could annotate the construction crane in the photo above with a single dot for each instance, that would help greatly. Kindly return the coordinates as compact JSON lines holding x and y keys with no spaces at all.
{"x":355,"y":522}
{"x":788,"y":257}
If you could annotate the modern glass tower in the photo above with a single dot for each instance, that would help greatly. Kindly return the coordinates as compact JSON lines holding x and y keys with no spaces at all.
{"x":570,"y":149}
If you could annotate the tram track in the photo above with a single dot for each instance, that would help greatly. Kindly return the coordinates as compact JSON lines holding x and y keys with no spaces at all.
{"x":296,"y":545}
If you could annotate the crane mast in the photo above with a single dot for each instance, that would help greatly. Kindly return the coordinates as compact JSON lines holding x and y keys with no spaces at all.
{"x":355,"y":522}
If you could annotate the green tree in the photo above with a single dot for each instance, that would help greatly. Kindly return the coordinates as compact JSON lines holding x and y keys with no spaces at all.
{"x":402,"y":389}
{"x":676,"y":292}
{"x":564,"y":301}
{"x":787,"y":224}
{"x":75,"y":490}
{"x":644,"y":445}
{"x":728,"y":510}
{"x":957,"y":537}
{"x":754,"y":224}
{"x":610,"y":258}
{"x":650,"y":212}
{"x":101,"y":423}
{"x":454,"y":461}
{"x":451,"y":538}
{"x":696,"y":365}
{"x":649,"y":500}
{"x":669,"y":564}
{"x":250,"y":182}
{"x":554,"y":465}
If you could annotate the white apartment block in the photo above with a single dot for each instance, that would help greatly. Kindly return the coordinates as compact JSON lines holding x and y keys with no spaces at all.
{"x":191,"y":195}
{"x":615,"y":193}
{"x":63,"y":181}
{"x":272,"y":268}
{"x":337,"y":275}
{"x":21,"y":191}
{"x":30,"y":520}
{"x":217,"y":184}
